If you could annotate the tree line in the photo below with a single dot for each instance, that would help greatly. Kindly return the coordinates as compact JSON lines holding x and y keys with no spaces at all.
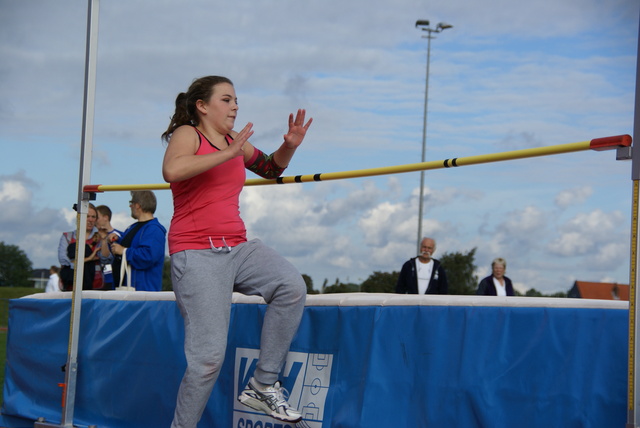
{"x":16,"y":270}
{"x":15,"y":267}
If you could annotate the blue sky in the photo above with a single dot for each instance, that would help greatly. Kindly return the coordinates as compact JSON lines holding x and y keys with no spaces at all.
{"x":507,"y":76}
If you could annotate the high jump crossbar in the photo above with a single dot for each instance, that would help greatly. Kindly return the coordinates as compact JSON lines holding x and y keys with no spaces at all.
{"x":597,"y":144}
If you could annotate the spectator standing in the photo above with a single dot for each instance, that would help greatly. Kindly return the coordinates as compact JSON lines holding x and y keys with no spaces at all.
{"x":68,"y":240}
{"x":92,"y":275}
{"x":107,"y":234}
{"x":53,"y":284}
{"x":144,"y":242}
{"x":496,"y":284}
{"x":423,"y":274}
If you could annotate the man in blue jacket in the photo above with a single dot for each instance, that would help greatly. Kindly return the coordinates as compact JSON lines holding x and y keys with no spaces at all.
{"x":144,"y":242}
{"x":423,"y":274}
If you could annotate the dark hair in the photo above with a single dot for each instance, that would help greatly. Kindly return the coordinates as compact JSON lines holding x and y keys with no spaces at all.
{"x":185,"y":114}
{"x":104,"y":210}
{"x":146,"y":199}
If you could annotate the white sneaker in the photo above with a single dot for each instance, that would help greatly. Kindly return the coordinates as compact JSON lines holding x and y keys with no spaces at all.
{"x":271,"y":401}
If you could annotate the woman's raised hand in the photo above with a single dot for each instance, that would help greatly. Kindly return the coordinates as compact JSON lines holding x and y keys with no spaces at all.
{"x":236,"y":146}
{"x":297,"y":129}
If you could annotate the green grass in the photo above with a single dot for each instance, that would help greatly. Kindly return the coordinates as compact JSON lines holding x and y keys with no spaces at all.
{"x":6,"y":294}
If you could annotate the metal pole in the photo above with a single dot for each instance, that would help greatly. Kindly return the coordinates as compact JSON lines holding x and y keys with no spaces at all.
{"x":86,"y":147}
{"x":424,"y":142}
{"x":633,"y":379}
{"x":424,"y":24}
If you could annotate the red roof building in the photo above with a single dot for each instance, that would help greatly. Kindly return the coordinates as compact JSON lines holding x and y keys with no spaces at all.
{"x":599,"y":290}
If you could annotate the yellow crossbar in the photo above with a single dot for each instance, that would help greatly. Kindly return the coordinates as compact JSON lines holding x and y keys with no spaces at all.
{"x":596,"y":144}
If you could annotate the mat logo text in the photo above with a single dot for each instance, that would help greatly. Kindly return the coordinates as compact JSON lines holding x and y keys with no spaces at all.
{"x":306,"y":377}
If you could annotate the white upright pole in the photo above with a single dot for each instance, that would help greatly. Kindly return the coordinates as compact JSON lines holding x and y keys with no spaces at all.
{"x":86,"y":147}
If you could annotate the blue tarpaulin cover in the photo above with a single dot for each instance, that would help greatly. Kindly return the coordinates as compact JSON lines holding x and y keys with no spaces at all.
{"x":358,"y":360}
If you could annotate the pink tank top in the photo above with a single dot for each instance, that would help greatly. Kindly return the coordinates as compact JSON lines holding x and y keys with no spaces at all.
{"x":206,"y":208}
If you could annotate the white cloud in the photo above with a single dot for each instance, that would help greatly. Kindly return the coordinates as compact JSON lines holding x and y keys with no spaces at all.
{"x":70,"y":216}
{"x":611,"y":254}
{"x":596,"y":233}
{"x":13,"y":191}
{"x":34,"y":229}
{"x":575,"y":196}
{"x":121,"y":220}
{"x":572,"y":243}
{"x":522,"y":229}
{"x":377,"y":223}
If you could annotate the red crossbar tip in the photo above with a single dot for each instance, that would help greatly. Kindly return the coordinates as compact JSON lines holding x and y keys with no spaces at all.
{"x":608,"y":143}
{"x":92,"y":188}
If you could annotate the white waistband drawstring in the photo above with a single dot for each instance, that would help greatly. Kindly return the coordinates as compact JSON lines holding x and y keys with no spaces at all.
{"x":226,"y":248}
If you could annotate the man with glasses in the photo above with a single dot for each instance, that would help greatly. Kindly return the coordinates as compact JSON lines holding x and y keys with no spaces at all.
{"x":142,"y":245}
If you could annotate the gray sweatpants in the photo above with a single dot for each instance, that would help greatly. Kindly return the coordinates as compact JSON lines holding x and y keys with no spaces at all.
{"x":203,"y":281}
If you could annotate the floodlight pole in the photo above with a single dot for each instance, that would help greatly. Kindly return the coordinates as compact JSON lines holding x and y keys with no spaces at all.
{"x":424,"y":26}
{"x":86,"y":147}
